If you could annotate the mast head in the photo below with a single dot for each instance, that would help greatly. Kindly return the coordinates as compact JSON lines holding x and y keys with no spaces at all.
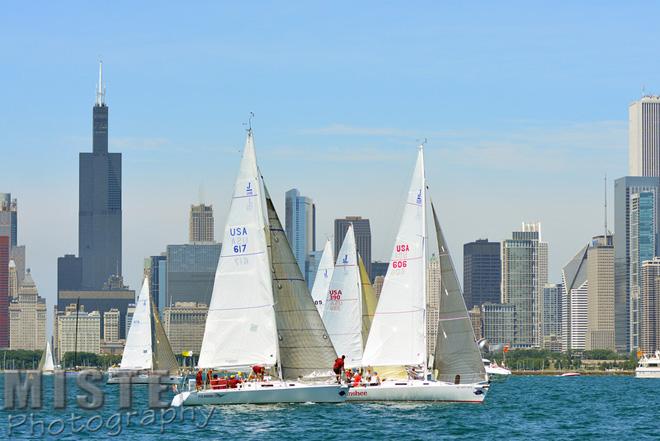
{"x":249,"y":123}
{"x":100,"y":88}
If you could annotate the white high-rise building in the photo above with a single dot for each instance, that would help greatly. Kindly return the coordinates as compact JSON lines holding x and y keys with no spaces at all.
{"x":574,"y":304}
{"x":27,"y":317}
{"x":89,"y":332}
{"x":644,"y":137}
{"x":432,"y":302}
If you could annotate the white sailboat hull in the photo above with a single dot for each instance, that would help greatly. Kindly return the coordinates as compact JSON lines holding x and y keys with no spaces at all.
{"x":419,"y":390}
{"x":115,"y":376}
{"x":265,"y":393}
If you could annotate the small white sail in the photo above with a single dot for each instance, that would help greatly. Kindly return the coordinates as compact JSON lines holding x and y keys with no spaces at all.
{"x":240,"y":328}
{"x":49,"y":364}
{"x":398,"y":331}
{"x":138,"y":354}
{"x":342,"y":315}
{"x":323,"y":277}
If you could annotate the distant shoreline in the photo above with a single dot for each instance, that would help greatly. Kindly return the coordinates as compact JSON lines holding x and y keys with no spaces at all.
{"x":580,"y":371}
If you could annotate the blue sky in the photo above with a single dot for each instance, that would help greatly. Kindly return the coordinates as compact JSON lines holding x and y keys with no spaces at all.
{"x":524,"y":106}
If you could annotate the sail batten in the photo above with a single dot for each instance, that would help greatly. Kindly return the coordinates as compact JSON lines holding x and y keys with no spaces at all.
{"x":456,"y":351}
{"x":398,"y":333}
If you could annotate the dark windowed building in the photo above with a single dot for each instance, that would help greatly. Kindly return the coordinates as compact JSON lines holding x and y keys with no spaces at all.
{"x":482,"y":272}
{"x":99,"y":222}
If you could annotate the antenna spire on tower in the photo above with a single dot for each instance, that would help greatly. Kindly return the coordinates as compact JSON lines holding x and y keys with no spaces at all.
{"x":100,"y":88}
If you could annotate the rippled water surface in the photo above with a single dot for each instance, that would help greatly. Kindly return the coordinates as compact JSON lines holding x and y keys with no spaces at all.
{"x":521,"y":408}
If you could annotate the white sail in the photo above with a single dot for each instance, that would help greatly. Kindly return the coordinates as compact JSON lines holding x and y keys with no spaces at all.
{"x":49,"y":364}
{"x":342,"y":315}
{"x":240,"y":328}
{"x":138,"y":354}
{"x":323,"y":277}
{"x":398,"y":331}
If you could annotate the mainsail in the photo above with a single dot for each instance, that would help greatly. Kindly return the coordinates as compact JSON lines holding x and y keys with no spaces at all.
{"x":323,"y":277}
{"x":138,"y":351}
{"x":456,"y":351}
{"x":46,"y":363}
{"x":164,"y":358}
{"x":398,"y":331}
{"x":240,"y":328}
{"x":305,"y":351}
{"x":342,"y":314}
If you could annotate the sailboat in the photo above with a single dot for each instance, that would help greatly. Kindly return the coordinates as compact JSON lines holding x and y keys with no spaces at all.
{"x":261,"y":312}
{"x":396,"y":346}
{"x":46,"y":364}
{"x":350,"y":303}
{"x":147,"y":352}
{"x":323,"y":277}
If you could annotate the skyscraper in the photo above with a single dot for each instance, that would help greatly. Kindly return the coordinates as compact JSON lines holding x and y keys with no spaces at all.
{"x":524,"y":274}
{"x":600,"y":294}
{"x":644,"y":137}
{"x":433,"y":272}
{"x":552,"y":297}
{"x":498,"y":323}
{"x":191,"y":272}
{"x":636,"y":227}
{"x":300,"y":219}
{"x":482,"y":272}
{"x":201,"y":226}
{"x":69,"y":273}
{"x":100,"y":216}
{"x":574,"y":302}
{"x":27,"y":318}
{"x":362,"y":230}
{"x":649,"y":336}
{"x":4,"y":291}
{"x":9,"y":218}
{"x":153,"y":269}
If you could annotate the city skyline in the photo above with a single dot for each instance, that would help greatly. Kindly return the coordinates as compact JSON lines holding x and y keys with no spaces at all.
{"x":349,"y":159}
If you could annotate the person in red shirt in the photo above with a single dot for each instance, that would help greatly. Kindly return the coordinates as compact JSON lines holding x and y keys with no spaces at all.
{"x":199,"y":380}
{"x":259,"y":372}
{"x":338,"y":367}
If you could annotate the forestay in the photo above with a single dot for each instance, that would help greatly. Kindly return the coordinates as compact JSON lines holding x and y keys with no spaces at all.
{"x":305,"y":351}
{"x":398,"y":331}
{"x":323,"y":277}
{"x":240,"y":327}
{"x":342,"y":315}
{"x":137,"y":352}
{"x":456,"y":351}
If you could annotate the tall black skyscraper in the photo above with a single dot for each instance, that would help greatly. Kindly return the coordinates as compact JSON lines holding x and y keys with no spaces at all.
{"x":99,"y":217}
{"x":482,"y":272}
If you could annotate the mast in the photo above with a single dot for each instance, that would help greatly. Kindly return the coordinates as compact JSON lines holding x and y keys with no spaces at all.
{"x":75,"y":338}
{"x":424,"y":255}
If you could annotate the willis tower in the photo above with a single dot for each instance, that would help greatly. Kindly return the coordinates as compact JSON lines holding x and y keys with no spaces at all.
{"x":99,"y":217}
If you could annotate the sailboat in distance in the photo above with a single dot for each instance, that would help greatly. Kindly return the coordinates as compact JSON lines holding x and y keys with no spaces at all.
{"x":46,"y":364}
{"x":261,"y":316}
{"x":147,"y":352}
{"x":323,"y":277}
{"x":397,"y":343}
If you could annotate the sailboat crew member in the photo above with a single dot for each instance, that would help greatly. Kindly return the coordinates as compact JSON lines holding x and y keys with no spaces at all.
{"x":338,"y":367}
